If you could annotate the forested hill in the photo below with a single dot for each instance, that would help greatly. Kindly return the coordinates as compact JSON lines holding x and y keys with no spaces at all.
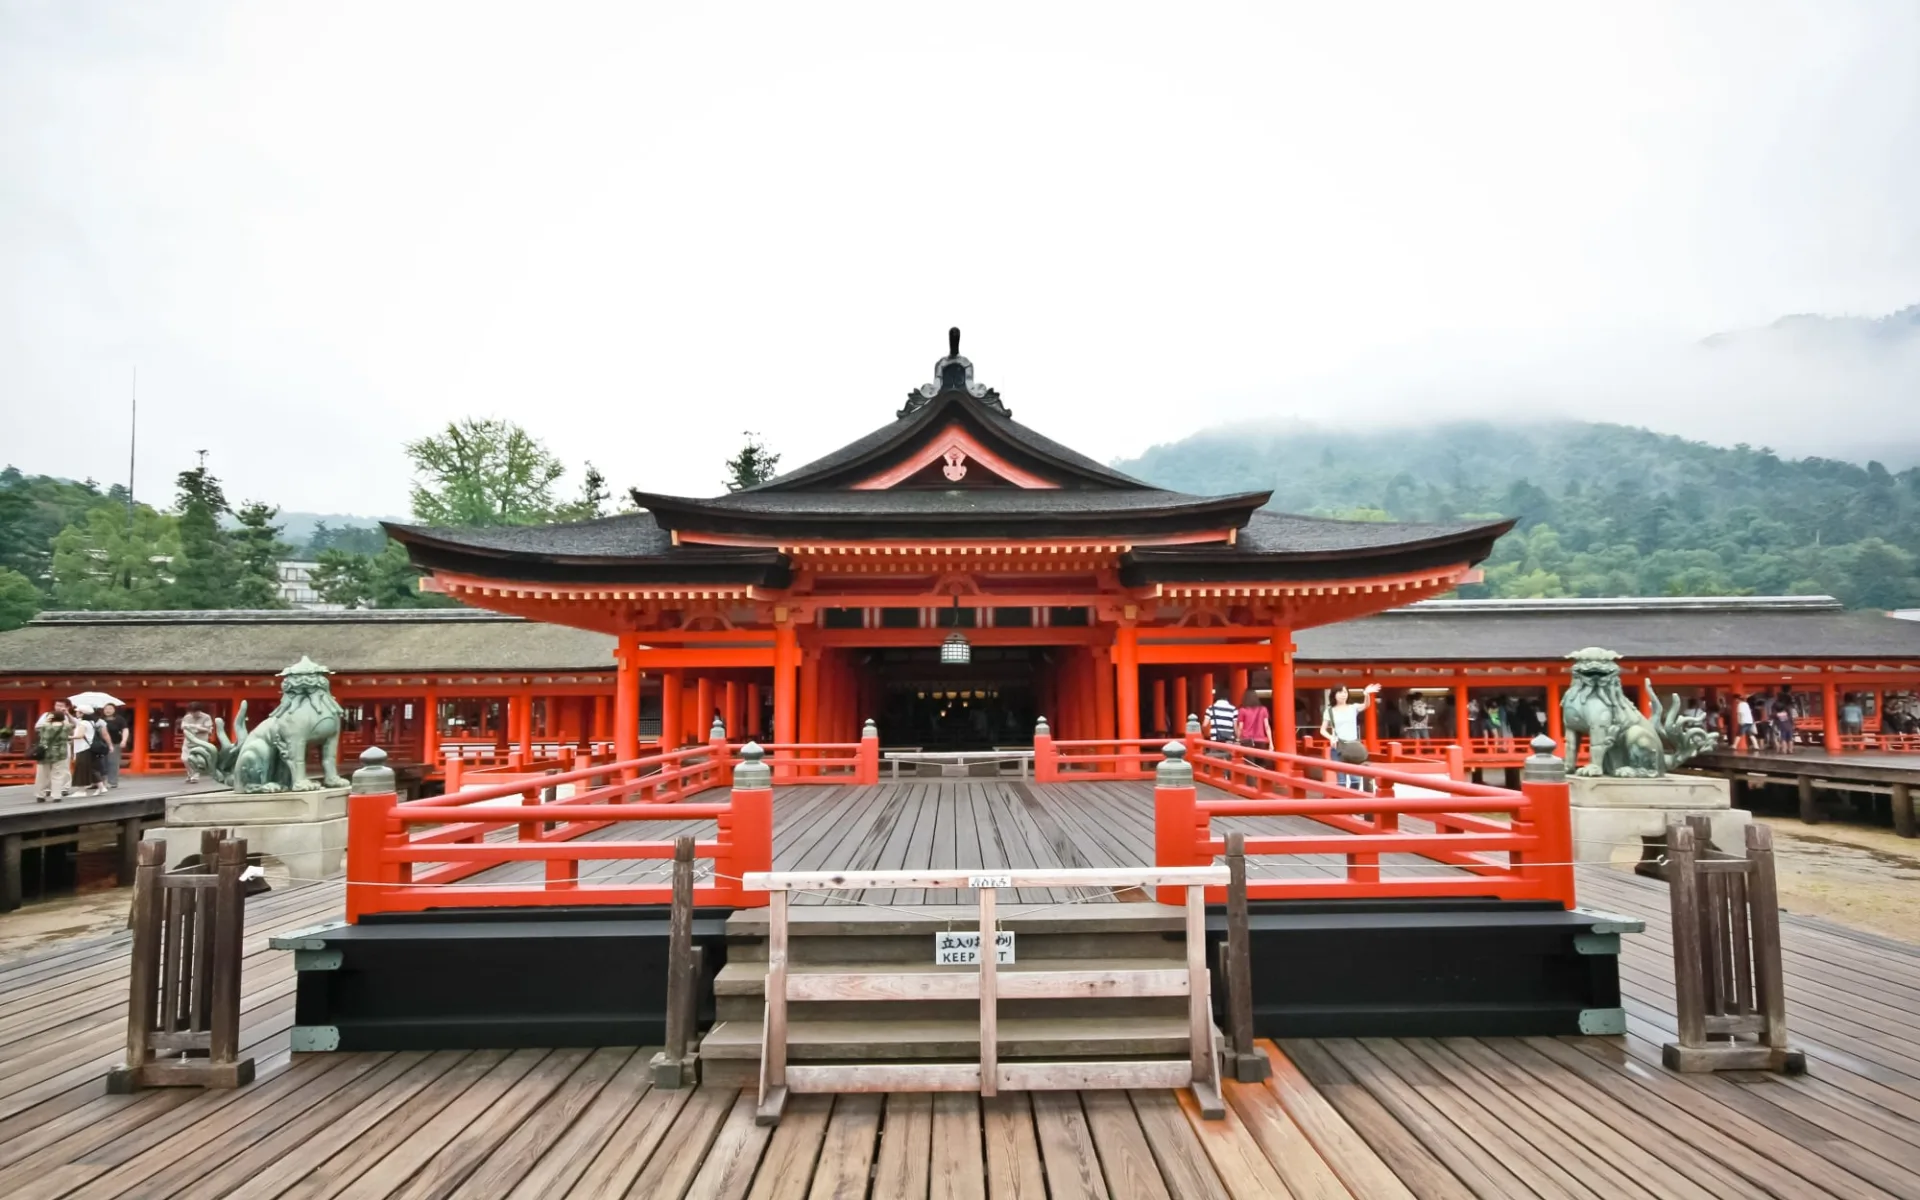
{"x":1605,"y":510}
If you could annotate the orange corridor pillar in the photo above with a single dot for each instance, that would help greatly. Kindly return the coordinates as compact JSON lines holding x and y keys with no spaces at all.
{"x":670,"y":731}
{"x":626,"y":699}
{"x":1285,"y":734}
{"x":786,"y":657}
{"x":1126,"y":663}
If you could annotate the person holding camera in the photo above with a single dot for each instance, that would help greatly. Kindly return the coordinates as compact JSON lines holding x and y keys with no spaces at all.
{"x":52,"y":752}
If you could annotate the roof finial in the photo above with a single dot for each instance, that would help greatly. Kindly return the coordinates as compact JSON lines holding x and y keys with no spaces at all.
{"x":953,"y":342}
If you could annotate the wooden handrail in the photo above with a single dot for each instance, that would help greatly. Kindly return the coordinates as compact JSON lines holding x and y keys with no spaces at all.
{"x":1200,"y":1071}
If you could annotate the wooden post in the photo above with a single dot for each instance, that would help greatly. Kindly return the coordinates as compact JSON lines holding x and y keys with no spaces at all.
{"x":12,"y":892}
{"x":1830,"y":716}
{"x":989,"y":993}
{"x":674,"y":1067}
{"x":1249,"y":1065}
{"x":1901,"y":801}
{"x":1809,"y":810}
{"x":1161,"y":726}
{"x":129,"y":847}
{"x":1206,"y":1062}
{"x":1555,"y":720}
{"x":773,"y":1050}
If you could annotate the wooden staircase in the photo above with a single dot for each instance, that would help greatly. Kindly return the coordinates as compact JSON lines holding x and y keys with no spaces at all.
{"x":1099,"y":994}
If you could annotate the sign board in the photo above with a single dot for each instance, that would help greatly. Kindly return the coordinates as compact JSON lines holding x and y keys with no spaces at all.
{"x":989,"y":881}
{"x":961,"y":948}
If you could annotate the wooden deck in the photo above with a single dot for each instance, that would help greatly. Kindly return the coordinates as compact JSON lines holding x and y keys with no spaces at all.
{"x":1483,"y":1117}
{"x":967,"y":823}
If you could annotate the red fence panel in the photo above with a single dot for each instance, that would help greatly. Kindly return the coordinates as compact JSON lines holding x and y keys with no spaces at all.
{"x":1473,"y":826}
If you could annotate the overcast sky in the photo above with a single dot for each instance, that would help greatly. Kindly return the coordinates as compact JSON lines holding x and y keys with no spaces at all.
{"x":321,"y":229}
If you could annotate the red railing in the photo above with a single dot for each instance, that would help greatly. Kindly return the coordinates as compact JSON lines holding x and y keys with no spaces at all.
{"x":1091,"y":761}
{"x":410,"y":857}
{"x":1466,"y":833}
{"x":826,"y":762}
{"x":1883,"y":743}
{"x":16,"y":768}
{"x":414,"y":856}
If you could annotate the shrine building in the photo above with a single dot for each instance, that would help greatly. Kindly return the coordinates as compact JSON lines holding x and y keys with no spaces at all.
{"x":952,"y":575}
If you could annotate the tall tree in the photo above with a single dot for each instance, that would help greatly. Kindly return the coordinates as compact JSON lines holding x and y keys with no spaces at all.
{"x":19,"y":599}
{"x":593,"y":498}
{"x":257,"y":553}
{"x":114,"y":559}
{"x":383,"y":580}
{"x":205,"y":572}
{"x":754,"y":464}
{"x":483,"y":472}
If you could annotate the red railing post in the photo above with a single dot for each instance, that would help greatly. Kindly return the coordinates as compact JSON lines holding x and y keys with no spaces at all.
{"x":1179,"y":827}
{"x":456,"y":767}
{"x":369,"y":809}
{"x":1543,"y":779}
{"x":1456,"y":762}
{"x":746,"y":833}
{"x":1046,"y":763}
{"x":867,"y":765}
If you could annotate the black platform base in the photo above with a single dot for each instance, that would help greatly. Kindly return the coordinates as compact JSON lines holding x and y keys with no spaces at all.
{"x":1432,"y":968}
{"x":496,"y":979}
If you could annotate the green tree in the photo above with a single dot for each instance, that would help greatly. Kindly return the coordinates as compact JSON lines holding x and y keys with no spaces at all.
{"x":206,"y":574}
{"x":114,"y":559}
{"x":355,"y":539}
{"x":33,"y":510}
{"x":257,"y":552}
{"x":593,"y":499}
{"x":383,"y":580}
{"x":19,"y":599}
{"x":483,"y":472}
{"x":754,"y":465}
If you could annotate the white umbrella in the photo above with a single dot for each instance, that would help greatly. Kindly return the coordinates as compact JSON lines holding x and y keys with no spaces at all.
{"x":94,"y":700}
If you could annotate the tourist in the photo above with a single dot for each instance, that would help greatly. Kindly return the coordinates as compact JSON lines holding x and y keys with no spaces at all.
{"x":1253,"y":725}
{"x":199,"y":724}
{"x":1783,"y":727}
{"x":1420,"y":718}
{"x":52,"y":751}
{"x":86,"y":769}
{"x":1340,"y":725}
{"x":1222,"y":717}
{"x":1743,"y":724}
{"x":119,"y":740}
{"x":1852,"y":716}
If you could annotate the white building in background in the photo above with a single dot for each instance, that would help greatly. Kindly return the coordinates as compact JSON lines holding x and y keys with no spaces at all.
{"x":296,"y":586}
{"x":1906,"y":614}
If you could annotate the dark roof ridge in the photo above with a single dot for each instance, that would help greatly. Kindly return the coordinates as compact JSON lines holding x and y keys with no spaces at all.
{"x":1576,"y":604}
{"x":264,"y":616}
{"x":890,"y":437}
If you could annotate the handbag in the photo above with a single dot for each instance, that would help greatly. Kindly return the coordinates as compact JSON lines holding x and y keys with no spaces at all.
{"x":1351,"y":753}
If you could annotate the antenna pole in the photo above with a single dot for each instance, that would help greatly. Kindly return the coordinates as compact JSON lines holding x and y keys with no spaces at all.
{"x":133,"y":436}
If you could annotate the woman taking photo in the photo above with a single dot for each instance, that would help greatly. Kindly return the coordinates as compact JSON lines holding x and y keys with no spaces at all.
{"x":1340,"y":725}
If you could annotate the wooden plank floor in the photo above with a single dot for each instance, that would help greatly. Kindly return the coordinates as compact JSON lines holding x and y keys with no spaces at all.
{"x":1490,"y":1117}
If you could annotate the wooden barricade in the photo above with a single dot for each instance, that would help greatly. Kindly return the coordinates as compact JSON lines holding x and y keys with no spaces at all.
{"x":1200,"y":1070}
{"x":1728,"y":981}
{"x":676,"y":1066}
{"x":183,"y":1009}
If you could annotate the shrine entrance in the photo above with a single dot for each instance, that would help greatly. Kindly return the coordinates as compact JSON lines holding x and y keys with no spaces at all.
{"x":989,"y":702}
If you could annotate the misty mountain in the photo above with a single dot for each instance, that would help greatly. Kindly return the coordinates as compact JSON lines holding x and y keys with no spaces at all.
{"x":1604,"y":509}
{"x":1804,"y":332}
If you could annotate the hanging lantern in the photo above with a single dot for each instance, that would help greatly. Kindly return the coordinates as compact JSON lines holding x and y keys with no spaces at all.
{"x":956,"y":650}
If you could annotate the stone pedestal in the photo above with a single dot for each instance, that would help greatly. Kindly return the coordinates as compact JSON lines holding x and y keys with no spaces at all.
{"x":1627,"y":819}
{"x":305,"y":832}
